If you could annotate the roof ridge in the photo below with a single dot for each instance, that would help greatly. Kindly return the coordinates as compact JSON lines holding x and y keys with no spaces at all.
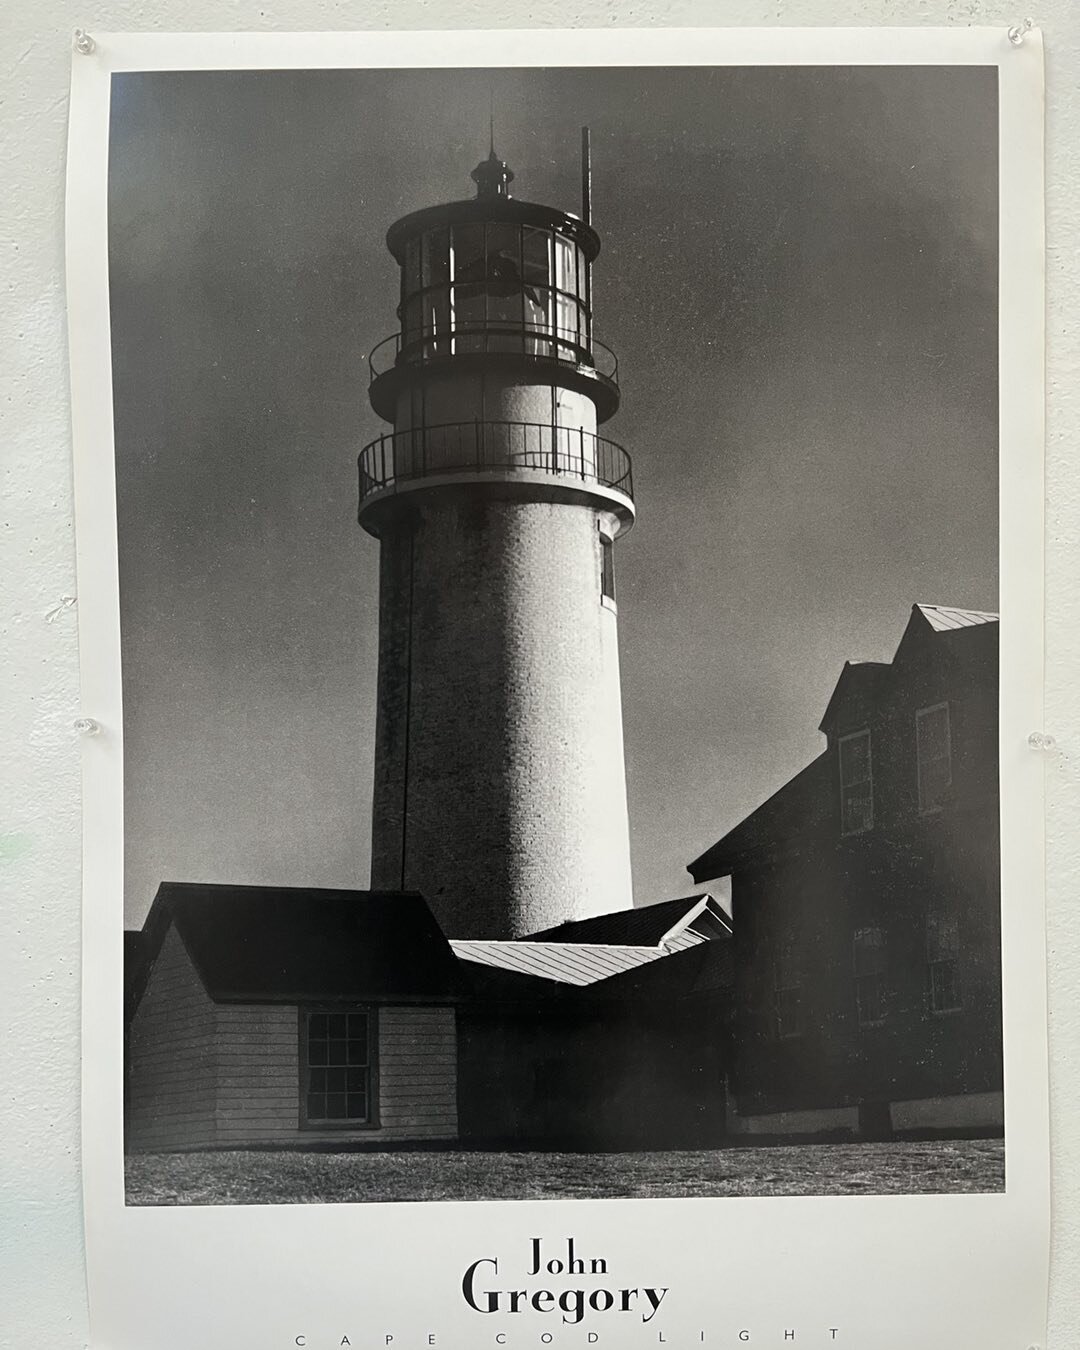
{"x":960,"y":609}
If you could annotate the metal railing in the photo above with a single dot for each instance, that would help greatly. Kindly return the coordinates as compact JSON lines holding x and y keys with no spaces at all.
{"x":460,"y":447}
{"x":543,"y":343}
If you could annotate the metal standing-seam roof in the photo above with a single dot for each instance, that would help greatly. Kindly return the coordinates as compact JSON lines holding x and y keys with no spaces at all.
{"x":579,"y":963}
{"x":674,"y":927}
{"x":943,"y":617}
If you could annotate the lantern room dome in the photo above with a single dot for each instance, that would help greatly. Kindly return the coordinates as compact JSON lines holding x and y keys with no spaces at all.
{"x":492,"y":176}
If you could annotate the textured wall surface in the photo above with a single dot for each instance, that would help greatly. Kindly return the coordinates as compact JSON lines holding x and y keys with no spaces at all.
{"x":174,"y":1062}
{"x":42,"y":1288}
{"x":229,"y":1074}
{"x":500,"y":729}
{"x":259,"y":1075}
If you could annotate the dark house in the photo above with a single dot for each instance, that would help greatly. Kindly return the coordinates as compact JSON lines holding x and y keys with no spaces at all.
{"x":296,"y":1018}
{"x":865,"y":901}
{"x":602,"y":1033}
{"x":266,"y":1015}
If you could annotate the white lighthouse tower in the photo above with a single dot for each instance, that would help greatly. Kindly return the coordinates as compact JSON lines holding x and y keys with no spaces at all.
{"x":500,"y":788}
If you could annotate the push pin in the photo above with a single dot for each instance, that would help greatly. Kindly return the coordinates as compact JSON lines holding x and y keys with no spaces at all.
{"x":1041,"y":740}
{"x":83,"y":43}
{"x":66,"y":602}
{"x":1019,"y":31}
{"x":86,"y":726}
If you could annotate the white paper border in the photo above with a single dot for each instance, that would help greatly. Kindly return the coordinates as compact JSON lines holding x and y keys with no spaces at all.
{"x":889,"y":1271}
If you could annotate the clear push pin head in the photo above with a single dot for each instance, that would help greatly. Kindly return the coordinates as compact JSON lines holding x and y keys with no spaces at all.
{"x":66,"y":602}
{"x":1019,"y":31}
{"x":1041,"y":740}
{"x":86,"y":726}
{"x":83,"y":43}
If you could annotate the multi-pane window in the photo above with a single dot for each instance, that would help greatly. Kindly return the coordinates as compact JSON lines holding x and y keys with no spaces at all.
{"x":868,"y":961}
{"x":337,"y":1069}
{"x":856,"y":783}
{"x":934,"y":746}
{"x":787,"y":993}
{"x":943,"y":958}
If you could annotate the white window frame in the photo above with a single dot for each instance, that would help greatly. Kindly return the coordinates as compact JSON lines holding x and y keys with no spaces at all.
{"x":369,"y":1069}
{"x":853,"y":736}
{"x":934,"y":807}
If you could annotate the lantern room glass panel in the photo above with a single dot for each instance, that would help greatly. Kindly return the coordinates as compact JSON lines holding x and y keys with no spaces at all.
{"x":495,"y":286}
{"x":412,"y":320}
{"x":536,"y":271}
{"x":468,"y":295}
{"x":435,"y":283}
{"x":411,"y":276}
{"x":435,"y":259}
{"x":504,"y":288}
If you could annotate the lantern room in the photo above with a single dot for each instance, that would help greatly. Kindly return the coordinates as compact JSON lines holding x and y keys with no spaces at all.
{"x":495,"y":279}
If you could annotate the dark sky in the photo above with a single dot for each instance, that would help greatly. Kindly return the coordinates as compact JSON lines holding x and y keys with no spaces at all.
{"x":799,"y":276}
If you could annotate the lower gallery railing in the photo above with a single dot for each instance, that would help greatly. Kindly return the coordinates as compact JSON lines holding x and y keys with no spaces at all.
{"x":458,"y":447}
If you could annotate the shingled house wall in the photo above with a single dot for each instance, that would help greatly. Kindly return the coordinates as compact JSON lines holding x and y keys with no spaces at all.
{"x":259,"y":1075}
{"x":227,"y":1075}
{"x":173,"y":1058}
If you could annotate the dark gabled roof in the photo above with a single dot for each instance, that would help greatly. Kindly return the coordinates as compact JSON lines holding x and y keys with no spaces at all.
{"x":800,"y":806}
{"x":807,"y":800}
{"x":955,"y":638}
{"x":856,"y":692}
{"x":644,"y":926}
{"x":273,"y":944}
{"x":866,"y":685}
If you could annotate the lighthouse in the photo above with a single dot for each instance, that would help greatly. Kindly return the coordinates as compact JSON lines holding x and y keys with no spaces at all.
{"x":500,"y":790}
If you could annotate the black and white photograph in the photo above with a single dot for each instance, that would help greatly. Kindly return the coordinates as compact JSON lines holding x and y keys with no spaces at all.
{"x":558,"y":544}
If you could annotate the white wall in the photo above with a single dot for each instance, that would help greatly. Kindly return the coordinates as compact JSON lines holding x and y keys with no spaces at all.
{"x":41,"y":1279}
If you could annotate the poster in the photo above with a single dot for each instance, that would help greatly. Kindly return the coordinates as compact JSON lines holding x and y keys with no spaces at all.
{"x":529,"y":1085}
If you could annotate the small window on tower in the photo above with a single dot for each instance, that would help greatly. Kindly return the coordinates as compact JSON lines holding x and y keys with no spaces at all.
{"x":607,"y":569}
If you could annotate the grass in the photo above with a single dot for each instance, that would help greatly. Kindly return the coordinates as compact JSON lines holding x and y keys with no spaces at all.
{"x":290,"y":1178}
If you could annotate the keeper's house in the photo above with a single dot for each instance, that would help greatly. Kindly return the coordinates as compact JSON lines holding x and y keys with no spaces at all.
{"x":312,"y":1018}
{"x":262,"y":1015}
{"x":866,"y":905}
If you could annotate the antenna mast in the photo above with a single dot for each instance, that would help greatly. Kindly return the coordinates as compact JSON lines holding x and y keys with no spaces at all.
{"x":586,"y":176}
